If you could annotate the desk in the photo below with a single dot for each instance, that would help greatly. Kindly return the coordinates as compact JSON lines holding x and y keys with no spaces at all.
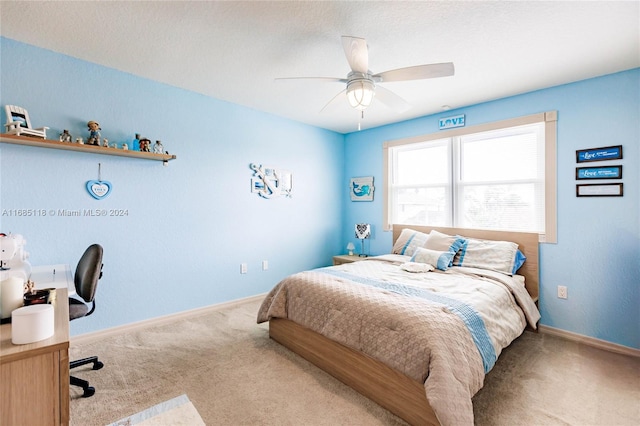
{"x":53,"y":276}
{"x":35,"y":377}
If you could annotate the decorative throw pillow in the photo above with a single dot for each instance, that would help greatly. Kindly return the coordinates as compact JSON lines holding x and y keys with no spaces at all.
{"x":486,"y":254}
{"x":416,"y":267}
{"x":443,"y":242}
{"x":439,"y":259}
{"x":408,"y":241}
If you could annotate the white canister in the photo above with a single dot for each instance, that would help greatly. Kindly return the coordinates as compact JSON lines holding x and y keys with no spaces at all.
{"x":11,"y":295}
{"x":31,"y":324}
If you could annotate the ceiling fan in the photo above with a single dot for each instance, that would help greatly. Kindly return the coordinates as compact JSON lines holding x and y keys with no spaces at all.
{"x":362,"y":85}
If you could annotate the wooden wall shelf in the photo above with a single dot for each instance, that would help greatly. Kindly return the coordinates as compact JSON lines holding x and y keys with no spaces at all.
{"x":47,"y":143}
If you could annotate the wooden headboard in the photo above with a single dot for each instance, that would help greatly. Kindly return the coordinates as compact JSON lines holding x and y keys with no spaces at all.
{"x":527,"y":243}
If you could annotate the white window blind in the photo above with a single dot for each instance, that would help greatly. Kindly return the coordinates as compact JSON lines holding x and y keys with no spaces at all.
{"x":500,"y":181}
{"x":487,"y":179}
{"x":422,"y":183}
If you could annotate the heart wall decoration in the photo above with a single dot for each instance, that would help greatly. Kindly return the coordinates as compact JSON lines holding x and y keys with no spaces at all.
{"x":99,"y":189}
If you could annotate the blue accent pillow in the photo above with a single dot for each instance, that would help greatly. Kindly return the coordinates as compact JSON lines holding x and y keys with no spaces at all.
{"x":518,"y":261}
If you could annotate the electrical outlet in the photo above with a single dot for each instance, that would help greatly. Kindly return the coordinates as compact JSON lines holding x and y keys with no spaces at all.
{"x":265,"y":265}
{"x":243,"y":268}
{"x":562,"y":292}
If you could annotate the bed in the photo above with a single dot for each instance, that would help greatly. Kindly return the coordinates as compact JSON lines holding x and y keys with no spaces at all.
{"x":415,"y":330}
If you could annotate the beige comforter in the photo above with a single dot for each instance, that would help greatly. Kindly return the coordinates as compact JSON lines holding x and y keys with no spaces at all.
{"x":427,"y":341}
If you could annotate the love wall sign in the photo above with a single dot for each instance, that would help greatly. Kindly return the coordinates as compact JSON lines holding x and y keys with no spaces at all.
{"x":99,"y":189}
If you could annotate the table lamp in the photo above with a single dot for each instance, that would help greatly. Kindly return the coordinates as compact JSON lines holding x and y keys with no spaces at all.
{"x":350,"y":247}
{"x":363,"y":231}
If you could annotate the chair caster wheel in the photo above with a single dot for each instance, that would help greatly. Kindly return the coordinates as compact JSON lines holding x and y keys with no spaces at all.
{"x":89,"y":391}
{"x":97,"y":365}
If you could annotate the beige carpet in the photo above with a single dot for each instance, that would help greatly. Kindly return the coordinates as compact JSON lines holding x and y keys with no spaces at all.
{"x":234,"y":374}
{"x":178,"y":411}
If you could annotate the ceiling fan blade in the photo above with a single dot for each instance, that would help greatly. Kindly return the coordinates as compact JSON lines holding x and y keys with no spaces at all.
{"x":391,"y":100}
{"x":335,"y":101}
{"x":327,"y":79}
{"x":417,"y":72}
{"x":355,"y":49}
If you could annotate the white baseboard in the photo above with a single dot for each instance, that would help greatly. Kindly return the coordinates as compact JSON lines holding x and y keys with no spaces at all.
{"x":590,"y":341}
{"x":135,"y":326}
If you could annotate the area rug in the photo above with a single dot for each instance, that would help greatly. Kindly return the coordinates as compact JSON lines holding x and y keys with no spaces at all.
{"x":176,"y":411}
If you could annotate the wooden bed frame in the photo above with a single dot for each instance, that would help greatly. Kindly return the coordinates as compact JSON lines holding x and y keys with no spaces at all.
{"x":390,"y":388}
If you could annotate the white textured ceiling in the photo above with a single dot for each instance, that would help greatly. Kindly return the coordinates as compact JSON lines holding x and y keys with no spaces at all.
{"x":234,"y":51}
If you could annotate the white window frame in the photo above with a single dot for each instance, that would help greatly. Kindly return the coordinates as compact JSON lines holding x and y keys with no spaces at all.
{"x":549,"y":119}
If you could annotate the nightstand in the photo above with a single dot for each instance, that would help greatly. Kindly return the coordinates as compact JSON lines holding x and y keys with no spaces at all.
{"x":345,"y":258}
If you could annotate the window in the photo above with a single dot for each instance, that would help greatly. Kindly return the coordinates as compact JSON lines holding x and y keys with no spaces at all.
{"x":498,"y":176}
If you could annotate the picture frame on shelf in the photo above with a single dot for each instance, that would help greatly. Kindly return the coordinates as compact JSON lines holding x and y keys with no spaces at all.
{"x":19,"y":123}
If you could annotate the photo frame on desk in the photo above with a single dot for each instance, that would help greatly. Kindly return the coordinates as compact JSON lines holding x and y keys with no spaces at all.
{"x":599,"y":190}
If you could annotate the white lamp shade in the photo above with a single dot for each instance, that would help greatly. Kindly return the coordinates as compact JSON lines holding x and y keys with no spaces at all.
{"x":360,"y":93}
{"x":350,"y":246}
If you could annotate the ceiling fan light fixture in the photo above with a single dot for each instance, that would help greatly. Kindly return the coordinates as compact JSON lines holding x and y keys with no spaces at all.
{"x":360,"y":93}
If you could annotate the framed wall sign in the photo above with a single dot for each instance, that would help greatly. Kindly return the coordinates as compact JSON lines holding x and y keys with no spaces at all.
{"x":361,"y":188}
{"x":599,"y":154}
{"x":605,"y":172}
{"x":599,"y":190}
{"x":451,"y":122}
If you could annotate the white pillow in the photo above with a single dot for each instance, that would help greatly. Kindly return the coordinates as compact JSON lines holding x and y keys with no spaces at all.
{"x":439,"y":259}
{"x":487,"y":254}
{"x":408,"y":241}
{"x":443,"y":242}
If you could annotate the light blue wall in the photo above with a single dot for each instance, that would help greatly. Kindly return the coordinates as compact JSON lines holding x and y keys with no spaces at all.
{"x":190,"y":225}
{"x":598,"y":251}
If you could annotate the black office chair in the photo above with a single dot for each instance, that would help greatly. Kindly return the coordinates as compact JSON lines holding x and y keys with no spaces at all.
{"x":88,"y":272}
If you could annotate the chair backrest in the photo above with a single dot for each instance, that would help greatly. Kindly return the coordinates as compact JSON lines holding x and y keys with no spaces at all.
{"x":88,"y":272}
{"x":19,"y":115}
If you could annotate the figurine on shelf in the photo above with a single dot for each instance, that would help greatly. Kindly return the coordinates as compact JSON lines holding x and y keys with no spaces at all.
{"x":145,"y":145}
{"x":105,"y":143}
{"x":65,"y":136}
{"x":125,"y":147}
{"x":94,"y":134}
{"x":80,"y":141}
{"x":135,"y":145}
{"x":158,"y":148}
